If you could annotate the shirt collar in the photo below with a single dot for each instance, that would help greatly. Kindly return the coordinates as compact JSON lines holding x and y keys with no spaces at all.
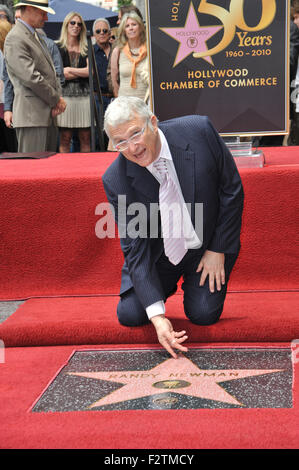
{"x":98,"y":48}
{"x":164,"y":152}
{"x":32,"y":30}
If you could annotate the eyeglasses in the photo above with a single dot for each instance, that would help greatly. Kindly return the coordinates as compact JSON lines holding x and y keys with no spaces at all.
{"x":3,"y":17}
{"x":99,"y":31}
{"x":135,"y":138}
{"x":76,"y":22}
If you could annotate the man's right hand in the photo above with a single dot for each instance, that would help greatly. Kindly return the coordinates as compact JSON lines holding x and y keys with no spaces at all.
{"x":167,"y":337}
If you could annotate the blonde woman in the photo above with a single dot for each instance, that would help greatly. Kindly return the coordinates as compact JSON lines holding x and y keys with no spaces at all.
{"x":129,"y":70}
{"x":73,"y":48}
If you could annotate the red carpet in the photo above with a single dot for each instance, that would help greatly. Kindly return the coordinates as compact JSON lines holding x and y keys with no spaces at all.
{"x":27,"y":372}
{"x":257,"y":317}
{"x":48,"y":220}
{"x":283,"y":156}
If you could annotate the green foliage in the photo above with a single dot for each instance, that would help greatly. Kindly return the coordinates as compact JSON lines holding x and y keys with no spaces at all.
{"x":122,"y":3}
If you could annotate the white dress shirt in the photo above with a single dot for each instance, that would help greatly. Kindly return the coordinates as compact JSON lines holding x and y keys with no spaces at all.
{"x":158,"y":308}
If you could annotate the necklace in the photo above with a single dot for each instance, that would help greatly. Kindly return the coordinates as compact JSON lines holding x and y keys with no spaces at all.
{"x":135,"y":51}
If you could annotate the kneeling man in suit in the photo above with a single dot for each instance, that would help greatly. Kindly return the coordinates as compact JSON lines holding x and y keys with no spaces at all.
{"x":183,"y":168}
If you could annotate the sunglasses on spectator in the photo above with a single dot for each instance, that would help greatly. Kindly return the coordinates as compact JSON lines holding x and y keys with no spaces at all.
{"x":104,"y":31}
{"x":76,"y":22}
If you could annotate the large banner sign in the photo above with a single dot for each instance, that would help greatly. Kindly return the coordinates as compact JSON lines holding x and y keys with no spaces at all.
{"x":226,"y":59}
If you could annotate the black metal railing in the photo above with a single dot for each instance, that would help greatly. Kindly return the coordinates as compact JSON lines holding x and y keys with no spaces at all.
{"x":96,"y":114}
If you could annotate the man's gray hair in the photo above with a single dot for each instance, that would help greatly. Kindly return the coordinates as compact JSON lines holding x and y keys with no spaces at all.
{"x":123,"y":109}
{"x":97,"y":21}
{"x":7,"y":12}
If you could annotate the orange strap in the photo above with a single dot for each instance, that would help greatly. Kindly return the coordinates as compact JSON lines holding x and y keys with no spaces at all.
{"x":135,"y":60}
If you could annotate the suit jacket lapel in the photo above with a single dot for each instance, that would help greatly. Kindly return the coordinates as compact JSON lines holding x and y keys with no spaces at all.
{"x":184,"y":164}
{"x":31,"y":37}
{"x":41,"y":43}
{"x":143,"y":181}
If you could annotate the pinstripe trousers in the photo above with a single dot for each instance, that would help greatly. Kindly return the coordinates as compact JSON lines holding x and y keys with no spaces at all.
{"x":201,"y":306}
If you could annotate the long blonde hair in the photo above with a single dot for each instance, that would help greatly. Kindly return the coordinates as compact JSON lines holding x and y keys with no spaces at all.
{"x":122,"y":38}
{"x":62,"y":41}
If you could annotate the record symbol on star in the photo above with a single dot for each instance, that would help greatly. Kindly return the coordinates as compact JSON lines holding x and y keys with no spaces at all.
{"x":192,"y":37}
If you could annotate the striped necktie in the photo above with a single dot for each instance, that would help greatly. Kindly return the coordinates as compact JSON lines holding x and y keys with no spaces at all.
{"x":38,"y":39}
{"x":171,"y":215}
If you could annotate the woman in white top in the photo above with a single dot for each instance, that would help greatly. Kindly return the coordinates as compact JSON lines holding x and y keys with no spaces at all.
{"x":129,"y":66}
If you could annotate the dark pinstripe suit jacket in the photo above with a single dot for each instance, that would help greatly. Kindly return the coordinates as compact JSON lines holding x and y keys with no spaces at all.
{"x":207,"y":174}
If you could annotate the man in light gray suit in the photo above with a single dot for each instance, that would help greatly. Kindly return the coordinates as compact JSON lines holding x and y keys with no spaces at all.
{"x":37,"y":89}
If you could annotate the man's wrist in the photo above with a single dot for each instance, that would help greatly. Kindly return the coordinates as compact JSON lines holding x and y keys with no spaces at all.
{"x":157,"y":319}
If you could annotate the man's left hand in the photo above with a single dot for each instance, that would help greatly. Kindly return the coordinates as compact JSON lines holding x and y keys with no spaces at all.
{"x":212,"y":265}
{"x":59,"y":108}
{"x":8,"y":119}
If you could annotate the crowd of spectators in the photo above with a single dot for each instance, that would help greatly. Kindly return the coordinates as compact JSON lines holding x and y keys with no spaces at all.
{"x":122,"y":66}
{"x":69,"y":54}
